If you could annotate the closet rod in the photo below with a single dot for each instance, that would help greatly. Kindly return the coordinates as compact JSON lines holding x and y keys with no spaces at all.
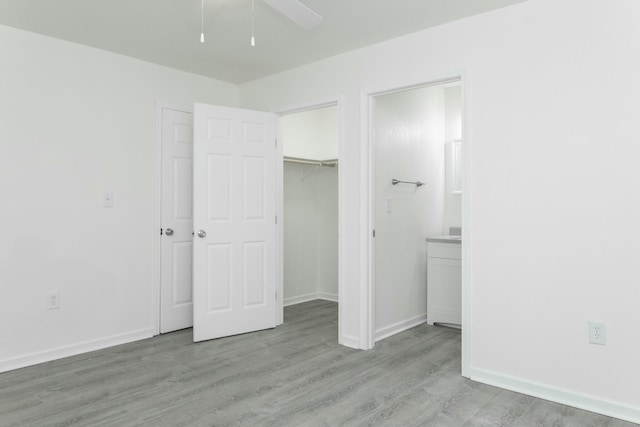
{"x":331,"y":163}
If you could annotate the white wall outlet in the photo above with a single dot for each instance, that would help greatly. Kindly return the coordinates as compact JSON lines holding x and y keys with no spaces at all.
{"x":53,"y":300}
{"x":107,"y":199}
{"x":597,"y":333}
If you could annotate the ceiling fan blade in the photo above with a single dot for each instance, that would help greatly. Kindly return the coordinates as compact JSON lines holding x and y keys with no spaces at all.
{"x":302,"y":15}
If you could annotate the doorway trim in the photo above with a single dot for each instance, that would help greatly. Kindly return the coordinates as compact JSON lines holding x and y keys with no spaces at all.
{"x":156,"y":254}
{"x":367,"y":242}
{"x":342,"y":262}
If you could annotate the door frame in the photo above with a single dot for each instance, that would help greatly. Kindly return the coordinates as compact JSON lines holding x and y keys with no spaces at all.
{"x":342,"y":262}
{"x":367,"y":243}
{"x":156,"y":254}
{"x":157,"y":220}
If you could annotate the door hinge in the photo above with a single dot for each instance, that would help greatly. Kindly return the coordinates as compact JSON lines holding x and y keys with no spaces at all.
{"x":161,"y":231}
{"x":374,"y":233}
{"x":276,"y":296}
{"x":276,"y":219}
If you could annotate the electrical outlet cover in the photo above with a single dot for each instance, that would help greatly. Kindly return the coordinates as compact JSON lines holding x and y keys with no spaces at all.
{"x":107,"y":199}
{"x":53,"y":300}
{"x":597,"y":333}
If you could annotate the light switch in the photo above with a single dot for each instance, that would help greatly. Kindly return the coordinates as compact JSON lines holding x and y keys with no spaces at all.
{"x":107,"y":199}
{"x":388,"y":203}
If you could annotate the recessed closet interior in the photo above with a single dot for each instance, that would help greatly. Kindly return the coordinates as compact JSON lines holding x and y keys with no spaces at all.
{"x":310,"y":180}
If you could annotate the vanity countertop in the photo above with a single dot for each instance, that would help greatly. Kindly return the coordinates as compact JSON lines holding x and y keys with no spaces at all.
{"x":445,"y":239}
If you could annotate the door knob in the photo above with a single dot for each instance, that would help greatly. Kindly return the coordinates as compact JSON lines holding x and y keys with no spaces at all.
{"x":202,"y":234}
{"x":168,"y":232}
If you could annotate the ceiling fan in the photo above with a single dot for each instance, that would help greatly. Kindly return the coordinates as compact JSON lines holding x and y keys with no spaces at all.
{"x":301,"y":14}
{"x":296,"y":11}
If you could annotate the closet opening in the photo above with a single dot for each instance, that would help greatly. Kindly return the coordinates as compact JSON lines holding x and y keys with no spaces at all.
{"x":310,"y":224}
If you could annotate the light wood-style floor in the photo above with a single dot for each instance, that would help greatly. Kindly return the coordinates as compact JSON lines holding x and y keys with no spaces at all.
{"x":294,"y":375}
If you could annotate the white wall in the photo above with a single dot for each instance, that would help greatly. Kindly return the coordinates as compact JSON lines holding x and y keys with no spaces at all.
{"x":311,"y":134}
{"x":310,"y":233}
{"x":75,"y":122}
{"x":551,"y":130}
{"x":409,"y":137}
{"x":327,"y":232}
{"x":453,"y":131}
{"x":300,"y":243}
{"x":453,"y":112}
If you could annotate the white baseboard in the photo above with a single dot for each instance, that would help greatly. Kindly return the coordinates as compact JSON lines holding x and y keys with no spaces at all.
{"x":72,"y":350}
{"x":300,"y":299}
{"x":327,"y":296}
{"x":396,"y":328}
{"x":310,"y":297}
{"x":577,"y":400}
{"x":351,"y":342}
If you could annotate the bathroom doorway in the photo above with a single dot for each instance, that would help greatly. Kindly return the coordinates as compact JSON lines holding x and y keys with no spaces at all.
{"x":416,"y":140}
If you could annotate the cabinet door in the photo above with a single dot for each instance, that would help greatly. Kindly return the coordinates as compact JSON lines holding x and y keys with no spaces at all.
{"x":444,"y":291}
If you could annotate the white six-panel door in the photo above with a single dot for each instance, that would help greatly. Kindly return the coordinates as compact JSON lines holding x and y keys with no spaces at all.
{"x":234,"y":264}
{"x":176,"y":247}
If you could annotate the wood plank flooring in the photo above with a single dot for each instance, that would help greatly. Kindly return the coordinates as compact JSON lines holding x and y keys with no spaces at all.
{"x":294,"y":375}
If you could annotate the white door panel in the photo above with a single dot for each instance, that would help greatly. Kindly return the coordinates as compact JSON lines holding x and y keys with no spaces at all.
{"x":234,"y":204}
{"x":176,"y":306}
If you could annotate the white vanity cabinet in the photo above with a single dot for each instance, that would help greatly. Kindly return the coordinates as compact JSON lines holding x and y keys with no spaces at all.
{"x":444,"y":282}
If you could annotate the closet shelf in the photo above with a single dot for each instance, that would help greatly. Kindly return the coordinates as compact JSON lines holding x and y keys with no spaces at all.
{"x":331,"y":163}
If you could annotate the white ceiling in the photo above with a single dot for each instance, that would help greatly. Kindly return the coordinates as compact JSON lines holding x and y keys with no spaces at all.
{"x":167,"y":32}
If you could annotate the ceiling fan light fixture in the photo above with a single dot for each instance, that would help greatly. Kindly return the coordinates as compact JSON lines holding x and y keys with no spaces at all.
{"x":253,"y":33}
{"x":202,"y":21}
